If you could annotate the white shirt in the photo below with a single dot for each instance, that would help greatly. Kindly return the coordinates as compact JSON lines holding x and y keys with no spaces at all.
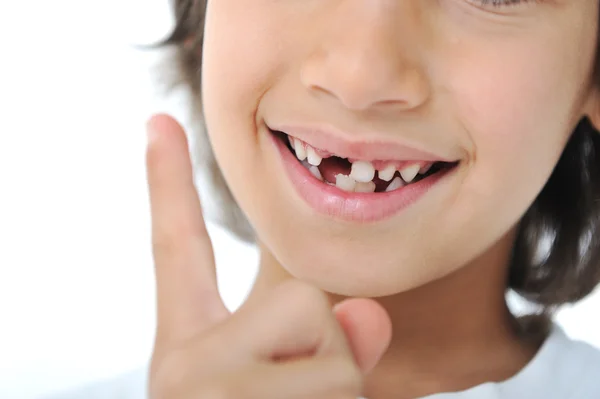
{"x":562,"y":369}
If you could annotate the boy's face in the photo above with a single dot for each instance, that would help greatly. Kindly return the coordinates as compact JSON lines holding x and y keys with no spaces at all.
{"x":496,"y":89}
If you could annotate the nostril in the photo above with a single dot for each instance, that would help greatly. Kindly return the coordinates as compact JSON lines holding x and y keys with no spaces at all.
{"x":366,"y":79}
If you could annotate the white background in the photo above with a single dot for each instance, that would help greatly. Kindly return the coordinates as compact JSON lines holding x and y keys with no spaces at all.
{"x":76,"y":278}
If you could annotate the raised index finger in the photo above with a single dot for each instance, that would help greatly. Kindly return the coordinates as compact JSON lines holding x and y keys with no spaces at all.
{"x":188,"y":300}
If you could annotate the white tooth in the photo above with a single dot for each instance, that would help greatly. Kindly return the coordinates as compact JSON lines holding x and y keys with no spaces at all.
{"x":300,"y":150}
{"x":387,"y":173}
{"x":313,"y":158}
{"x":425,"y":168}
{"x":362,"y":171}
{"x":368,"y":187}
{"x":410,"y":172}
{"x":315,"y":172}
{"x":291,"y":140}
{"x":345,"y":183}
{"x":395,"y":184}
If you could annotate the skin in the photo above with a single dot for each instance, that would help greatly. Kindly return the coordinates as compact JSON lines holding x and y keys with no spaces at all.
{"x":290,"y":344}
{"x":500,"y":87}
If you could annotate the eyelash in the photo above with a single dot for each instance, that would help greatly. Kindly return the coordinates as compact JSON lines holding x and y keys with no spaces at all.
{"x":502,"y":3}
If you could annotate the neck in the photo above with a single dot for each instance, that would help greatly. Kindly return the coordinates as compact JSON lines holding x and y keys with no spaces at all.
{"x":448,"y":335}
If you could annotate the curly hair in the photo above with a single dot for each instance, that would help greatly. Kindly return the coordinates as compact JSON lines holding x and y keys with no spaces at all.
{"x":556,"y":255}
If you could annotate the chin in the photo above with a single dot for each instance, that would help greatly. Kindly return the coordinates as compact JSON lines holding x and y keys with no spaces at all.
{"x":352,"y":271}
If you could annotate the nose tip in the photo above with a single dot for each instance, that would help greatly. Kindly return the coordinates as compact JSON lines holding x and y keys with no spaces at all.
{"x":364,"y":82}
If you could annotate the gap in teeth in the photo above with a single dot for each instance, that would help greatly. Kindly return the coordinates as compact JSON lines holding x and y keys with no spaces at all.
{"x":362,"y":173}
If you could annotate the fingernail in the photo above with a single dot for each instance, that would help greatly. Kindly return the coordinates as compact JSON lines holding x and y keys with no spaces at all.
{"x":151,"y":132}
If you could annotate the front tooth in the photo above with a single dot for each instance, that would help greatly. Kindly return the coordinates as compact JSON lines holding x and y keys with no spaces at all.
{"x":387,"y":173}
{"x":291,"y":140}
{"x":362,"y":171}
{"x":300,"y":150}
{"x":395,"y":184}
{"x":410,"y":172}
{"x":313,"y":158}
{"x":368,"y":187}
{"x":316,"y":172}
{"x":345,"y":183}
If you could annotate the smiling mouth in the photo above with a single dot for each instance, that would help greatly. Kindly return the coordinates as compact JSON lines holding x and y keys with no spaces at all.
{"x":362,"y":176}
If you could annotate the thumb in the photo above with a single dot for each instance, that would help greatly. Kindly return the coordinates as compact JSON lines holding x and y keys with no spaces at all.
{"x":368,"y":329}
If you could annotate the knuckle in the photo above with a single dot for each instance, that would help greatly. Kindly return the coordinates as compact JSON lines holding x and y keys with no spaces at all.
{"x":216,"y":389}
{"x":230,"y":385}
{"x":341,"y":395}
{"x":347,"y":374}
{"x":171,"y":236}
{"x":167,"y":379}
{"x":172,"y":244}
{"x":169,"y":239}
{"x":164,"y":246}
{"x":176,"y":374}
{"x":169,"y":373}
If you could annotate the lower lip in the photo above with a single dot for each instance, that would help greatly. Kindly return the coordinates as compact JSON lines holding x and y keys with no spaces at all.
{"x":349,"y":206}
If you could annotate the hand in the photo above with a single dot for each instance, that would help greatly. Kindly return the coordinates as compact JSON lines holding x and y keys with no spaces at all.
{"x":288,"y":345}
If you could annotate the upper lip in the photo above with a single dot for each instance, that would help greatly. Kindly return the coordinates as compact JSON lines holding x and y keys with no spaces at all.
{"x":366,"y":147}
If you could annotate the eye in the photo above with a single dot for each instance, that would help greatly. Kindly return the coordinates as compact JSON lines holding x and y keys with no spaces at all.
{"x":504,"y":6}
{"x":502,"y":3}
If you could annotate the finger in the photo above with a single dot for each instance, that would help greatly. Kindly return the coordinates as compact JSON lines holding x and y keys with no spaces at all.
{"x":314,"y":378}
{"x":368,"y":329}
{"x":295,"y":320}
{"x":188,"y":300}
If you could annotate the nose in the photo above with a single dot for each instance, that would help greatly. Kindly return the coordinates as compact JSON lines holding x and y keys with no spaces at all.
{"x":365,"y":55}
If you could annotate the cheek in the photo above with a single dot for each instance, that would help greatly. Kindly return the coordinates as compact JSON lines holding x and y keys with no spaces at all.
{"x":247,"y":45}
{"x":234,"y":61}
{"x":514,"y":103}
{"x":239,"y":64}
{"x":517,"y":110}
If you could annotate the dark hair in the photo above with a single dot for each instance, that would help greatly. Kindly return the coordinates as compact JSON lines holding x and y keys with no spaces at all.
{"x":556,"y":257}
